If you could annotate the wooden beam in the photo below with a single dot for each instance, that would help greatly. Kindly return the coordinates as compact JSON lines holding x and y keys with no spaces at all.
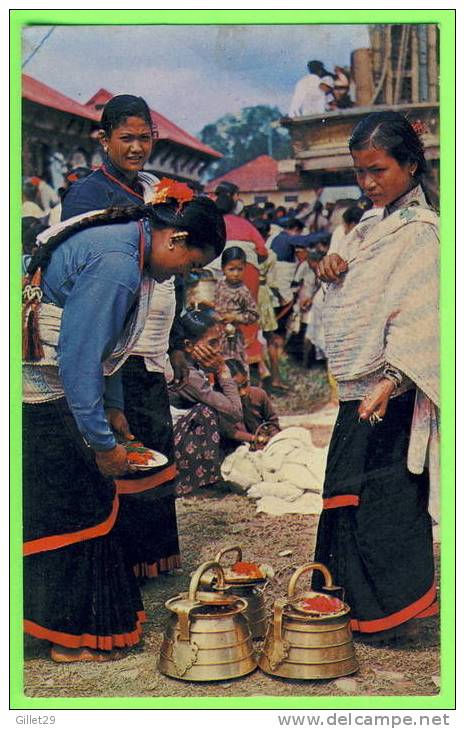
{"x":432,"y":64}
{"x":415,"y":67}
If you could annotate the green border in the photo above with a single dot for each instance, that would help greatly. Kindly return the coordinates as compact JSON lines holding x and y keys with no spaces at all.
{"x":446,"y":20}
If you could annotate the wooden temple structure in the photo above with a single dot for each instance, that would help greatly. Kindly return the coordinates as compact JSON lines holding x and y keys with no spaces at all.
{"x":398,"y":72}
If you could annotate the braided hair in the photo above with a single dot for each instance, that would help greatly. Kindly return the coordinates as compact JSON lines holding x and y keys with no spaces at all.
{"x":199,"y":217}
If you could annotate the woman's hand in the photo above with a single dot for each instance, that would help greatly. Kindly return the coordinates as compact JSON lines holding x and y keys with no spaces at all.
{"x":208,"y":357}
{"x":113,"y":463}
{"x":118,"y":423}
{"x":331,"y":267}
{"x":180,"y":368}
{"x":375,"y":404}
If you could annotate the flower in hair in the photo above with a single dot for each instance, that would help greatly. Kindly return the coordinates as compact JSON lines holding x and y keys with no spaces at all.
{"x":419,"y":127}
{"x":167,"y":189}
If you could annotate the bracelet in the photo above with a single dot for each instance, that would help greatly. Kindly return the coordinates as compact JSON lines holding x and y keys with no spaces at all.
{"x":393,"y":375}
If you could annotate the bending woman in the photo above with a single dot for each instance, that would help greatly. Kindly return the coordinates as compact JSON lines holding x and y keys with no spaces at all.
{"x":381,"y":338}
{"x":147,"y":517}
{"x":95,"y":280}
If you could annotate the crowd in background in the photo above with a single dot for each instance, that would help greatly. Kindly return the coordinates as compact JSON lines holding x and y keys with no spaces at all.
{"x":280,"y":248}
{"x":264,"y":289}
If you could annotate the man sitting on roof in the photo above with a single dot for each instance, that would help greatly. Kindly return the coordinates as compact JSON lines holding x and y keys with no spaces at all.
{"x":308,"y":97}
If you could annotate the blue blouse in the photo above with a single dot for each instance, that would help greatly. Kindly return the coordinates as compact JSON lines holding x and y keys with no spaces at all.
{"x":102,"y":189}
{"x":94,"y":276}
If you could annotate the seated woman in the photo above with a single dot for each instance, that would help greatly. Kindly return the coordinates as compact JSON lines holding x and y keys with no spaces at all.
{"x":205,"y":406}
{"x":260,"y":421}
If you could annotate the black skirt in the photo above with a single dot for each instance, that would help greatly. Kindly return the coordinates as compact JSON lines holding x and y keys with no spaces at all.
{"x":79,"y":589}
{"x":375,"y":532}
{"x":147,"y":517}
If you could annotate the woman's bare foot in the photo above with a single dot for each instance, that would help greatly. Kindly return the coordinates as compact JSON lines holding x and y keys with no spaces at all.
{"x":60,"y":654}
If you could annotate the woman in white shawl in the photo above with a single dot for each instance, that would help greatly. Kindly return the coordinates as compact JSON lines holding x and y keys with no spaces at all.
{"x":381,"y":336}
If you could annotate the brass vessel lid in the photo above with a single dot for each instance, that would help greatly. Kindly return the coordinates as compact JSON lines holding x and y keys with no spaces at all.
{"x":233,"y":577}
{"x":218,"y":596}
{"x":295,"y":602}
{"x":298,"y":604}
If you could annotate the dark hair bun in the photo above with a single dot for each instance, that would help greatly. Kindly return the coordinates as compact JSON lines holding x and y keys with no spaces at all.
{"x":205,"y":224}
{"x":200,"y":217}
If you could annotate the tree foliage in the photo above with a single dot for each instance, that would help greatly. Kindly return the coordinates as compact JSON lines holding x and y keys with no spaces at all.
{"x":244,"y":136}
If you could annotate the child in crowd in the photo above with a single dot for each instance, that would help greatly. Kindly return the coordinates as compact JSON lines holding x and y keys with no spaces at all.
{"x":234,"y":303}
{"x":206,"y":406}
{"x":260,"y":422}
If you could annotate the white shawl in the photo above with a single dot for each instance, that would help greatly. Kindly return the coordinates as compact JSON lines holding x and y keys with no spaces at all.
{"x":386,"y":309}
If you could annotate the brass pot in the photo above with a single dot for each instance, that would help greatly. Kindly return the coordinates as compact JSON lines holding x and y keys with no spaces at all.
{"x":300,"y":645}
{"x":208,"y":637}
{"x":251,"y":589}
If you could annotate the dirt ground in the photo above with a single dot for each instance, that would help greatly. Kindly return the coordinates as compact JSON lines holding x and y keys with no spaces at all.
{"x":207,"y":523}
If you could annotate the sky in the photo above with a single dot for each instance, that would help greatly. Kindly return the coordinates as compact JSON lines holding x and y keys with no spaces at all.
{"x":191,"y":74}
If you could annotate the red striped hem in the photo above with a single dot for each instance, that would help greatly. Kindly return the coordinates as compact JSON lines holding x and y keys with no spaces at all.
{"x":87,"y":640}
{"x":46,"y":544}
{"x":334,"y":502}
{"x":143,"y":569}
{"x":121,"y":184}
{"x":136,"y":486}
{"x":431,"y":610}
{"x":414,"y":610}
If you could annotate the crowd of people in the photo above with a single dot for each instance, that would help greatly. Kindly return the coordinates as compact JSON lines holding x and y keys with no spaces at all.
{"x":157,"y":316}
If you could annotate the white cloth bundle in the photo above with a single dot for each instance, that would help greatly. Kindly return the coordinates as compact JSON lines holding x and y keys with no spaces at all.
{"x":288,"y":471}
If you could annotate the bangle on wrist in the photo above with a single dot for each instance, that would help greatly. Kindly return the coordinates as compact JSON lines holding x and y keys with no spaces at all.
{"x":393,"y":375}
